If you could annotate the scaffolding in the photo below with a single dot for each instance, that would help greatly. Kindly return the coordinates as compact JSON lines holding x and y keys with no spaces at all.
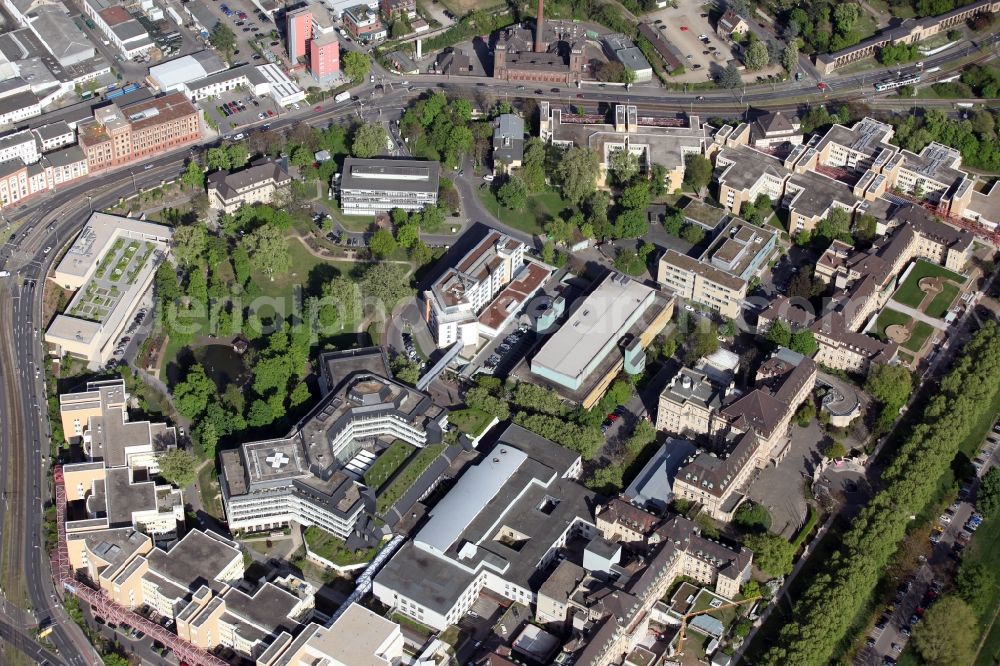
{"x":102,"y":605}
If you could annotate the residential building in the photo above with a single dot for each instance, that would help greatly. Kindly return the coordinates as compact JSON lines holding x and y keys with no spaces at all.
{"x":664,"y":141}
{"x":606,"y":332}
{"x":616,"y":616}
{"x":454,"y":301}
{"x":324,"y":57}
{"x":298,"y":27}
{"x":775,"y":129}
{"x":731,"y":23}
{"x":369,"y":187}
{"x":54,"y":135}
{"x":364,"y":24}
{"x":137,"y":131}
{"x":719,"y":278}
{"x":22,"y":146}
{"x":261,"y":182}
{"x":503,"y":521}
{"x":19,"y":181}
{"x":394,"y":9}
{"x":308,"y":475}
{"x":19,"y":106}
{"x":508,"y":142}
{"x":747,"y":430}
{"x":357,"y":637}
{"x":110,"y":266}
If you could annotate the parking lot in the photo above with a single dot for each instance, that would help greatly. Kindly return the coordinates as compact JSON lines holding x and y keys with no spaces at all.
{"x":246,"y":22}
{"x":238,"y":109}
{"x":682,"y":26}
{"x":503,"y":353}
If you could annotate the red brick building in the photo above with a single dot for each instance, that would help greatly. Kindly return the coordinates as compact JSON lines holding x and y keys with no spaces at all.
{"x":121,"y":135}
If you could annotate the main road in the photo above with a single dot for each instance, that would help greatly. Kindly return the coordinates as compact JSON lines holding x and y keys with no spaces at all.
{"x":55,"y":218}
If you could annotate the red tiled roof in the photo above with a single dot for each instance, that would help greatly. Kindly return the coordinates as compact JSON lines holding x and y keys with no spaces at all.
{"x":114,"y":15}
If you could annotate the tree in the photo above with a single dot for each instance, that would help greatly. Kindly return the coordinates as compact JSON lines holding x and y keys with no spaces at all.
{"x":178,"y":467}
{"x":889,"y":384}
{"x":223,"y":39}
{"x":268,"y":250}
{"x":217,"y":159}
{"x":803,"y":342}
{"x":835,"y":450}
{"x":513,"y":194}
{"x":947,"y":634}
{"x":772,"y":554}
{"x":355,"y":65}
{"x":405,"y":370}
{"x":636,"y":196}
{"x":693,"y":233}
{"x":624,"y":165}
{"x":386,"y":283}
{"x":420,"y":254}
{"x":988,"y":496}
{"x":805,"y":413}
{"x":697,"y":173}
{"x":779,"y":334}
{"x":658,"y":180}
{"x":730,"y":77}
{"x":576,"y":172}
{"x":790,"y":58}
{"x":369,"y":140}
{"x":189,"y":244}
{"x":114,"y":659}
{"x":631,"y":224}
{"x":407,"y":234}
{"x":753,"y":517}
{"x":382,"y":244}
{"x":192,"y":395}
{"x":193,"y":176}
{"x":974,"y":583}
{"x":756,"y":56}
{"x":239,"y":155}
{"x":845,"y":16}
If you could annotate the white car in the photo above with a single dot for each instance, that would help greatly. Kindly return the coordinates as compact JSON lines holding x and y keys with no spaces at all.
{"x":47,"y":249}
{"x":4,"y":274}
{"x":689,"y":308}
{"x":488,"y":178}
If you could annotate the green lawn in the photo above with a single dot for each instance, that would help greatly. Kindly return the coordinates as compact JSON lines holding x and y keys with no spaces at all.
{"x":918,"y":336}
{"x":387,"y":463}
{"x":470,"y":421}
{"x":938,"y":307}
{"x":539,"y":209}
{"x":887,"y":318}
{"x":909,"y":293}
{"x":331,"y":548}
{"x":208,"y":486}
{"x":302,"y":264}
{"x":395,"y":490}
{"x":349,"y":222}
{"x":985,"y":548}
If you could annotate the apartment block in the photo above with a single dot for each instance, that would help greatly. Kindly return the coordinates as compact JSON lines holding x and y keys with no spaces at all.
{"x":454,"y":301}
{"x":394,"y":9}
{"x":138,"y":131}
{"x":364,"y":24}
{"x":298,"y":27}
{"x":504,"y":519}
{"x":324,"y":57}
{"x":369,"y":187}
{"x":309,"y":476}
{"x":719,"y":277}
{"x":261,"y":182}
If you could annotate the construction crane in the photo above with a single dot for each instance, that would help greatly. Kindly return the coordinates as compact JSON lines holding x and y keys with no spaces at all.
{"x":688,"y":616}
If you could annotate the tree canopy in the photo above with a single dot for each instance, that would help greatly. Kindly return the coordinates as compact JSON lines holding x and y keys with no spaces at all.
{"x":178,"y":467}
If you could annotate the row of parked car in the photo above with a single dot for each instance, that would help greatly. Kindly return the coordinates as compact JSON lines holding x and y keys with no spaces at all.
{"x":611,"y":418}
{"x":505,"y":348}
{"x":127,"y":338}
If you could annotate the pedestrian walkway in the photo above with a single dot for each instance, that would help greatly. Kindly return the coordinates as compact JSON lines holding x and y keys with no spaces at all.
{"x":919,"y":316}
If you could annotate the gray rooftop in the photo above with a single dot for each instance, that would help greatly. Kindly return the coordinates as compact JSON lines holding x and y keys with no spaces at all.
{"x":197,"y":559}
{"x":390,"y":174}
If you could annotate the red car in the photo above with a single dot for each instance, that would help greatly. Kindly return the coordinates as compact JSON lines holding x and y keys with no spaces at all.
{"x":684,"y":28}
{"x":821,"y":85}
{"x":579,"y":95}
{"x":318,"y":108}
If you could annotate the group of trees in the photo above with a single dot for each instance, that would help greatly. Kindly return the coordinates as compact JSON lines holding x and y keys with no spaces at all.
{"x":443,"y":130}
{"x":676,"y":225}
{"x":975,"y":138}
{"x":891,"y":386}
{"x":897,"y":54}
{"x":822,"y":26}
{"x":803,"y":342}
{"x":827,"y":607}
{"x":355,"y":65}
{"x":984,"y":80}
{"x":838,"y":225}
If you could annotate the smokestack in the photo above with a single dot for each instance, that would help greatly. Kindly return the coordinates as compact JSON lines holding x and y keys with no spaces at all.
{"x":540,"y":46}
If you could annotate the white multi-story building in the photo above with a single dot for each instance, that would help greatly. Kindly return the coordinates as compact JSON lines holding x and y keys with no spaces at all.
{"x":455,"y":300}
{"x":20,"y":146}
{"x":306,"y":476}
{"x":369,"y":187}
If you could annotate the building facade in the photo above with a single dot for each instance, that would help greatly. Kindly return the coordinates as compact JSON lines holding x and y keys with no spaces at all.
{"x":369,"y":187}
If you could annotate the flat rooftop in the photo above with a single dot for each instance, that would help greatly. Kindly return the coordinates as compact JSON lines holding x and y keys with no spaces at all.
{"x":96,"y":237}
{"x":594,"y":326}
{"x":397,"y":175}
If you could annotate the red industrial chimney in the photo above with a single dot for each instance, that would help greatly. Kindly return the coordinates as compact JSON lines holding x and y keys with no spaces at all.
{"x":540,"y":46}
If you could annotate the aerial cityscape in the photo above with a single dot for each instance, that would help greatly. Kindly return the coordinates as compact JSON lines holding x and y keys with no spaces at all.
{"x":492,"y":333}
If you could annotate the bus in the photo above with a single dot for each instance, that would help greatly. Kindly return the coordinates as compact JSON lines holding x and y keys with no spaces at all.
{"x":882,"y":86}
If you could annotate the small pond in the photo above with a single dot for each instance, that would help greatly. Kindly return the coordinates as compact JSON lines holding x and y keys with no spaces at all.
{"x":222,"y":364}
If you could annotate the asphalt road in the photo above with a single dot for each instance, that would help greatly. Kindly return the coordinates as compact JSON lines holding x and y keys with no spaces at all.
{"x":54,"y":218}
